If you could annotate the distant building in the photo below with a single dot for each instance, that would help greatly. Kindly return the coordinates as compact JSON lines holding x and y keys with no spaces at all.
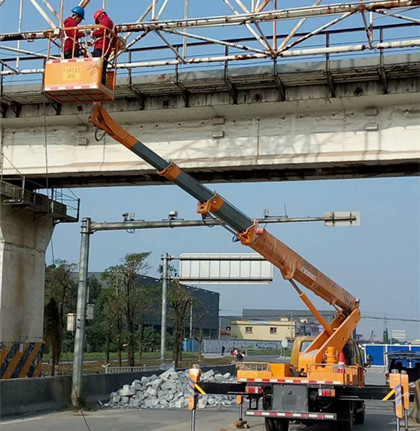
{"x":304,"y":321}
{"x":274,"y":330}
{"x":399,"y":335}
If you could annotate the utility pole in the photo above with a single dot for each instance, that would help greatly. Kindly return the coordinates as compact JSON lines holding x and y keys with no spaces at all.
{"x":165,"y":257}
{"x":81,"y":314}
{"x":191,"y":321}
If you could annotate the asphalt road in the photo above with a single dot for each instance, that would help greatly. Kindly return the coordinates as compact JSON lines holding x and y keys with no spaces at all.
{"x":379,"y":417}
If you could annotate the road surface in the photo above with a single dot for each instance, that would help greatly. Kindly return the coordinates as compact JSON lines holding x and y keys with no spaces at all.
{"x":379,"y":416}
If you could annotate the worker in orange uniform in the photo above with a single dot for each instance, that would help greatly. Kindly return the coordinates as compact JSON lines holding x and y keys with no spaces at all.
{"x":103,"y":39}
{"x":71,"y":37}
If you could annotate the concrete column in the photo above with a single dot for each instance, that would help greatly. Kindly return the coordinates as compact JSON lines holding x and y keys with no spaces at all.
{"x":24,"y":237}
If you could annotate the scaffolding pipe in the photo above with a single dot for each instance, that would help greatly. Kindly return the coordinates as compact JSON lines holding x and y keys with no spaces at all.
{"x":240,"y":19}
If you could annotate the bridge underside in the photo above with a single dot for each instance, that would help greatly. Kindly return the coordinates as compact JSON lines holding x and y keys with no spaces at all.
{"x":353,"y":118}
{"x":240,"y":175}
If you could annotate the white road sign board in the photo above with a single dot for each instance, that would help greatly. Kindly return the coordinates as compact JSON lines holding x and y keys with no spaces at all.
{"x":205,"y":268}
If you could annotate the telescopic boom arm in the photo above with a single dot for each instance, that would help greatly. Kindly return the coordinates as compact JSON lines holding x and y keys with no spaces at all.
{"x":292,"y":266}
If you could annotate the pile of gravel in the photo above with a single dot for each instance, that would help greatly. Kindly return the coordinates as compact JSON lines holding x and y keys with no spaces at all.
{"x":168,"y":390}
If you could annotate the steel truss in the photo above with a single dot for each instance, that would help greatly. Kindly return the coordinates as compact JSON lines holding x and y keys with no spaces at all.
{"x":249,"y":30}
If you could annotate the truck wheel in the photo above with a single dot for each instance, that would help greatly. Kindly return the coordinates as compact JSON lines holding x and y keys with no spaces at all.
{"x":359,"y":415}
{"x":343,"y":425}
{"x":282,"y":425}
{"x":270,"y":424}
{"x":276,"y":424}
{"x":359,"y":418}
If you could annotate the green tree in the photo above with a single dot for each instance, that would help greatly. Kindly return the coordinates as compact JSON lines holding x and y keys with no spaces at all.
{"x":129,"y":295}
{"x":179,"y":301}
{"x":199,"y":311}
{"x":53,"y":333}
{"x":96,"y":329}
{"x":150,"y":339}
{"x":150,"y":297}
{"x":110,"y":300}
{"x":62,"y":289}
{"x":60,"y":285}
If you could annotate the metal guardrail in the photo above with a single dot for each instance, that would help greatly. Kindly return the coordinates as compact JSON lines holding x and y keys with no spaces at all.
{"x":117,"y":370}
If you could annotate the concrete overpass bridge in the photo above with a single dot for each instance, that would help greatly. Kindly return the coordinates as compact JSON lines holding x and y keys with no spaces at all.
{"x":322,"y":117}
{"x":297,"y":121}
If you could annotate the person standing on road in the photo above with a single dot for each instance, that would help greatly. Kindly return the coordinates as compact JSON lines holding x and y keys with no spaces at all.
{"x":103,"y":39}
{"x":223,"y":350}
{"x":71,"y":37}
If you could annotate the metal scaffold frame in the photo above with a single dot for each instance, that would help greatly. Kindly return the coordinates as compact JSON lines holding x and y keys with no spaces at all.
{"x":259,"y":30}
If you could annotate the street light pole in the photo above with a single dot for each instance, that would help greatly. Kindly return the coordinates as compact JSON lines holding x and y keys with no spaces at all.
{"x":191,"y":322}
{"x":81,"y":314}
{"x":165,"y":257}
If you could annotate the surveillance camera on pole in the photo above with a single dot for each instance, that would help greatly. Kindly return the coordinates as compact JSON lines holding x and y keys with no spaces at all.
{"x":173,"y":215}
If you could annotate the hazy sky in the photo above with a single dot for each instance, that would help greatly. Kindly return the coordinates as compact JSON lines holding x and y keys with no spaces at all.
{"x":377,"y":261}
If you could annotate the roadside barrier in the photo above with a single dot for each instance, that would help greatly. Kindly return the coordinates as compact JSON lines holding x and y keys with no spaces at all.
{"x":19,"y":360}
{"x":415,"y":414}
{"x":193,"y":379}
{"x":398,"y":382}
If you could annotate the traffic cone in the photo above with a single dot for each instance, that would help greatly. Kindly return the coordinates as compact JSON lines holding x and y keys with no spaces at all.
{"x":341,"y":362}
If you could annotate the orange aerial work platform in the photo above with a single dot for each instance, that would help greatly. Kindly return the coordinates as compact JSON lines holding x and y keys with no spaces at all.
{"x":78,"y":80}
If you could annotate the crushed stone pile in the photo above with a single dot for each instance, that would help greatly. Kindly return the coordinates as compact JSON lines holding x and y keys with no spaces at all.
{"x":168,"y":390}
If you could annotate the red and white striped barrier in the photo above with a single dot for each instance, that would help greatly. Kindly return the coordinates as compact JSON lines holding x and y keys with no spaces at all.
{"x":291,"y":415}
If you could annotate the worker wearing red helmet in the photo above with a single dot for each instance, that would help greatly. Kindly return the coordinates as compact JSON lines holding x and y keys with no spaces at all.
{"x":103,"y":39}
{"x":71,"y":45}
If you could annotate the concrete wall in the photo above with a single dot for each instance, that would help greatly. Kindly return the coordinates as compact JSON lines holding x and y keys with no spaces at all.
{"x":27,"y":396}
{"x":20,"y":397}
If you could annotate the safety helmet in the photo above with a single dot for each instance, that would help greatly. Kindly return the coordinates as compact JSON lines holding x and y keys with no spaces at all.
{"x":79,"y":11}
{"x":97,"y":14}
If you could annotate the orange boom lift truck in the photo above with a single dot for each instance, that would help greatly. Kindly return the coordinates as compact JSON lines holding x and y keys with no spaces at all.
{"x":324,"y":380}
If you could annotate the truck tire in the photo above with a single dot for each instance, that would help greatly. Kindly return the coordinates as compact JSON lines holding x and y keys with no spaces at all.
{"x":346,"y":418}
{"x":272,"y":424}
{"x":342,"y":425}
{"x":282,"y":425}
{"x":359,"y":415}
{"x":359,"y":418}
{"x":347,"y":425}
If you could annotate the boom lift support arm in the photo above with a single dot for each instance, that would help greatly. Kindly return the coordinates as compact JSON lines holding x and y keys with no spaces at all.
{"x":292,"y":266}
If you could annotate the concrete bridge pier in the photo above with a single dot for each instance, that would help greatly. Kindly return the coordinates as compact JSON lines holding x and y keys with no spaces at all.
{"x":26,"y":225}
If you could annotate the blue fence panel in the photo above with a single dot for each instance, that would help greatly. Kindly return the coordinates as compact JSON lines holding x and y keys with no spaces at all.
{"x":398,"y":348}
{"x":377,"y":351}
